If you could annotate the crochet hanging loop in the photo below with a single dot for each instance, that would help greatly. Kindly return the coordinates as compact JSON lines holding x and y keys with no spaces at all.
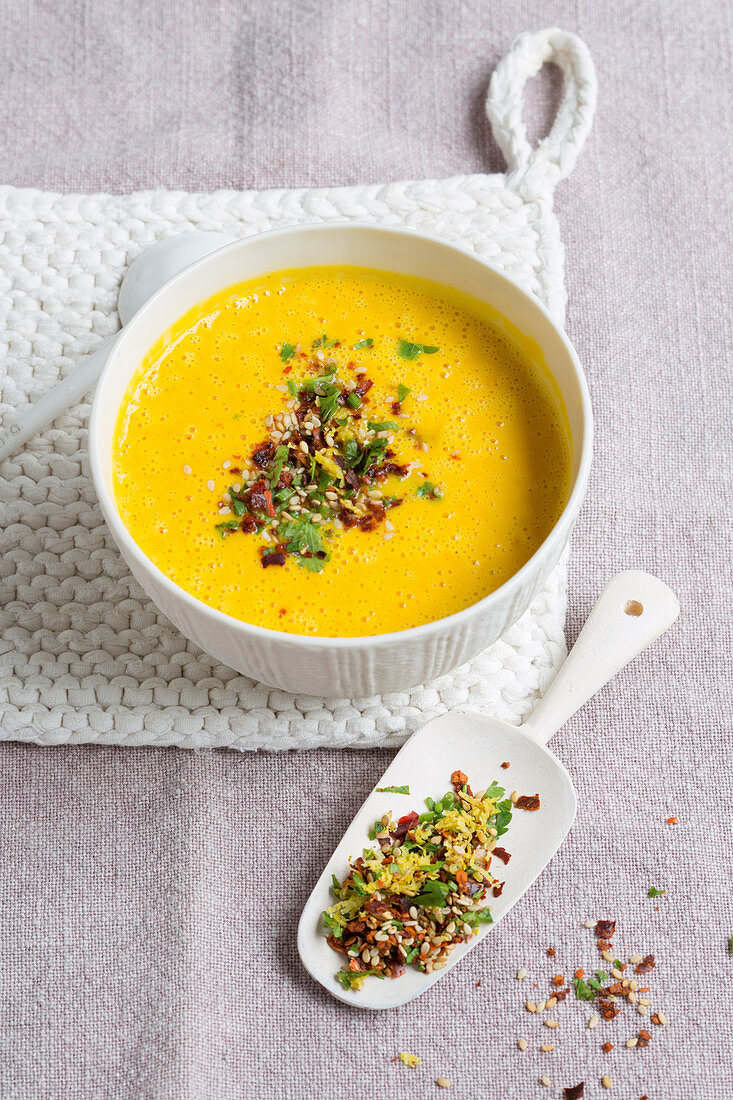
{"x":535,"y":172}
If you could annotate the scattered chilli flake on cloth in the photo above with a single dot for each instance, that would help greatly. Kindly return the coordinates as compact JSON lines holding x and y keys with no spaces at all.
{"x":85,"y":655}
{"x":606,"y":990}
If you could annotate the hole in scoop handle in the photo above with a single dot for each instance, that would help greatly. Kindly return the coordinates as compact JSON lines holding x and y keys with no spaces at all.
{"x":631,"y":612}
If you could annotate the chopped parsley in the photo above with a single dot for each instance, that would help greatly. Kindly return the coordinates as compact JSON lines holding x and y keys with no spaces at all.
{"x":480,"y":916}
{"x":428,"y":491}
{"x":408,"y":350}
{"x":582,"y":991}
{"x":394,"y":790}
{"x":302,"y":537}
{"x":655,"y":893}
{"x":333,"y":926}
{"x":368,"y":343}
{"x":287,"y":351}
{"x":402,"y":392}
{"x":323,"y":342}
{"x":226,"y":528}
{"x":350,"y":979}
{"x":382,"y":425}
{"x":278,"y":462}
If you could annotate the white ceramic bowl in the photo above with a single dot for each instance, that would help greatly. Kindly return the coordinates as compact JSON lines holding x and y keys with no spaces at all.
{"x":342,"y":667}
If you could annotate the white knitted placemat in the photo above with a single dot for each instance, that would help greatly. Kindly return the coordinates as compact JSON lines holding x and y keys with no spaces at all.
{"x":84,"y":654}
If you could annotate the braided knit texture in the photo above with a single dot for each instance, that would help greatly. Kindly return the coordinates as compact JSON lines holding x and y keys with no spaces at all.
{"x":84,"y":654}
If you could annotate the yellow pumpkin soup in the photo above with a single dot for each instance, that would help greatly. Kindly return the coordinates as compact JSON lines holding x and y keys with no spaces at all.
{"x":341,"y":452}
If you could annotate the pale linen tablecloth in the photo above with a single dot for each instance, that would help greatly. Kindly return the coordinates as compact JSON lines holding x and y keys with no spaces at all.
{"x":149,"y":898}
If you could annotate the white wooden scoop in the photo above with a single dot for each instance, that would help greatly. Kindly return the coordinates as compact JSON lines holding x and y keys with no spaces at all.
{"x":633,"y":609}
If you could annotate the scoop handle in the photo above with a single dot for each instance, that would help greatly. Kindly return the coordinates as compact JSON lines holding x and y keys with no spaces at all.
{"x":631,"y":612}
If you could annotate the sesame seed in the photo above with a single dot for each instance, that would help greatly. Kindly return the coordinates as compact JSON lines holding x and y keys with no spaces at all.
{"x":644,"y":1001}
{"x":547,"y":1047}
{"x":607,"y":955}
{"x":424,"y":447}
{"x":320,"y":356}
{"x":442,"y":1082}
{"x":662,"y":1019}
{"x":606,"y":1081}
{"x":521,"y":974}
{"x":632,"y":997}
{"x":513,"y":796}
{"x":631,"y":1043}
{"x":616,"y":972}
{"x":226,"y":465}
{"x":551,"y":1023}
{"x":225,"y":511}
{"x":493,"y":832}
{"x":545,"y":1080}
{"x":588,"y":923}
{"x":304,"y":447}
{"x":552,"y":1002}
{"x":594,"y":1022}
{"x":211,"y":485}
{"x":633,"y":984}
{"x":421,"y":397}
{"x":282,"y":389}
{"x":388,"y":536}
{"x":522,"y":1044}
{"x":187,"y":469}
{"x":531,"y":1006}
{"x":360,"y":370}
{"x":541,"y":1006}
{"x":236,"y":487}
{"x":642,"y":1010}
{"x":635,"y":958}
